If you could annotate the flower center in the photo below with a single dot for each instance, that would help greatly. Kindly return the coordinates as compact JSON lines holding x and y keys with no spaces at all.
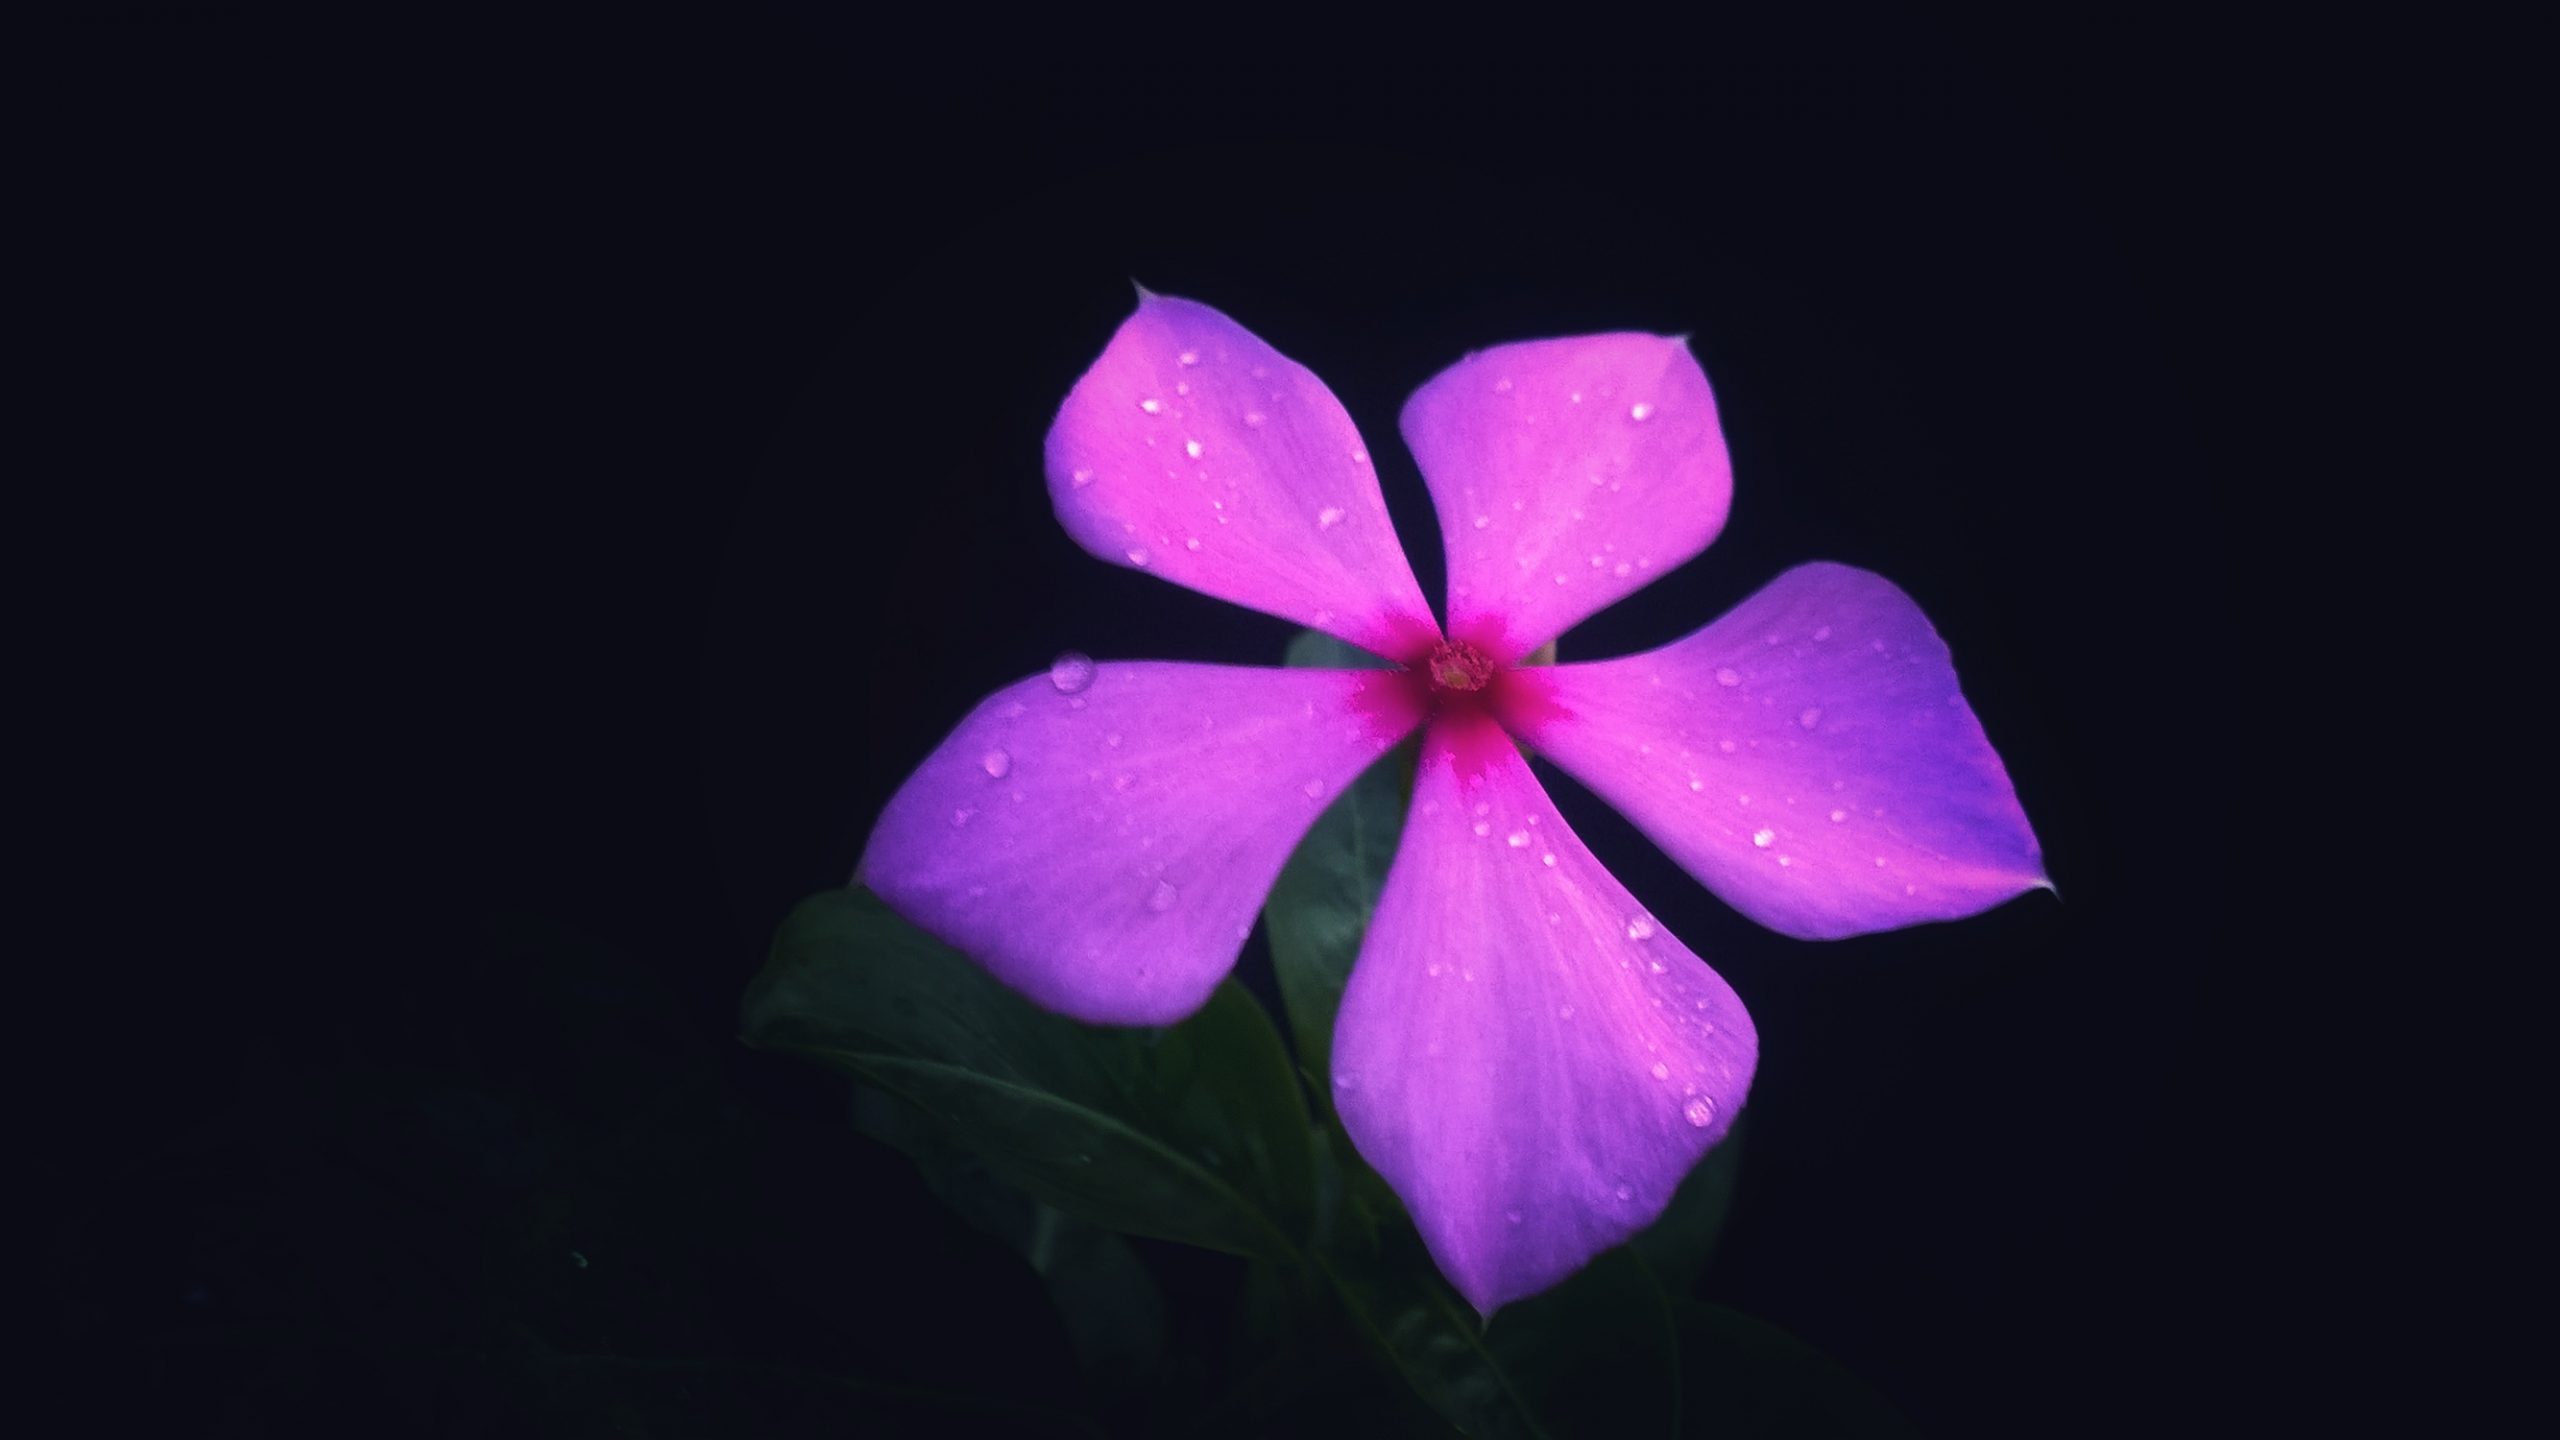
{"x":1457,"y":665}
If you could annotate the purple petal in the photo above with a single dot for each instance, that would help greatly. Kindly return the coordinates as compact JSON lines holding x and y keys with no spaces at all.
{"x":1194,"y":451}
{"x":1102,"y":840}
{"x":1567,"y":473}
{"x":1530,"y":1059}
{"x":1809,"y":757}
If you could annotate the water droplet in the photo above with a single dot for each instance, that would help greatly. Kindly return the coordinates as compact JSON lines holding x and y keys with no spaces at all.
{"x":1639,"y":929}
{"x":1188,"y":357}
{"x":1626,"y":1192}
{"x":1784,"y":861}
{"x":1191,"y":448}
{"x":1162,"y":897}
{"x":1071,"y":672}
{"x":961,"y":816}
{"x":1642,"y":411}
{"x":1483,"y":828}
{"x":1138,"y":556}
{"x":1728,"y":676}
{"x":1548,"y":859}
{"x":1314,"y":789}
{"x":1112,"y":739}
{"x":1879,"y":862}
{"x":1502,"y":386}
{"x":996,"y":763}
{"x":1839,"y":815}
{"x":1328,"y":517}
{"x":1697,"y":784}
{"x":1762,"y":838}
{"x":1811,"y":716}
{"x":1661,"y":1071}
{"x":1725,"y":745}
{"x":1564,"y":1012}
{"x":1700,"y":1112}
{"x":1511,"y":1215}
{"x":1346,"y":1081}
{"x":1359,"y":457}
{"x":1519,"y":839}
{"x":1191,"y":543}
{"x":1482,"y":521}
{"x":1152,"y":407}
{"x":1822,"y":634}
{"x":1432,"y":969}
{"x":1255,"y":418}
{"x":1575,"y":397}
{"x":1621,"y":571}
{"x":1559,"y":577}
{"x":1082,"y":478}
{"x":1182,"y":387}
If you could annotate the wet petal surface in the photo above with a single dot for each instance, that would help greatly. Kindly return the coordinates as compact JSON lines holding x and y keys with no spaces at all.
{"x":1567,"y":475}
{"x":1809,"y":757}
{"x":1194,"y":451}
{"x":1101,"y":837}
{"x":1524,"y":1053}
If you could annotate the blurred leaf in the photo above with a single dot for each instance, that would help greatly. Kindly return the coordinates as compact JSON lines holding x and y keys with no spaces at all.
{"x":1597,"y":1355}
{"x":1110,"y":1304}
{"x":1679,"y":1244}
{"x":1319,"y":907}
{"x":1195,"y":1133}
{"x":1748,"y":1378}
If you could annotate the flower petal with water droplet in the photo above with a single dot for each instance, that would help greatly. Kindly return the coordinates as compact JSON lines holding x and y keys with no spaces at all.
{"x":1533,"y":1090}
{"x":1118,"y":884}
{"x":1245,"y":430}
{"x":1643,"y":479}
{"x":1852,"y":726}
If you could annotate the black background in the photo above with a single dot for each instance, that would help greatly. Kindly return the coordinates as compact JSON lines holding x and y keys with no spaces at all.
{"x":557,"y":471}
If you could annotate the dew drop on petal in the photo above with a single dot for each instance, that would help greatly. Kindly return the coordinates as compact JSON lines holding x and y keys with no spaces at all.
{"x":1642,"y":411}
{"x":1328,"y":517}
{"x":1519,"y":839}
{"x":1839,"y":815}
{"x":1728,"y":676}
{"x":1548,"y":859}
{"x":1188,"y":357}
{"x":1071,"y":672}
{"x":1822,"y":634}
{"x":1626,"y":1192}
{"x":1152,"y":407}
{"x":1639,"y":929}
{"x":1502,"y":386}
{"x":961,"y":816}
{"x":1661,"y":1071}
{"x":1082,"y":478}
{"x":996,"y":763}
{"x":1811,"y":717}
{"x":1483,"y":521}
{"x":1254,"y":418}
{"x":1700,"y":1112}
{"x":1762,"y":838}
{"x":1314,"y":789}
{"x":1162,"y":897}
{"x":1483,"y":828}
{"x":1138,"y":556}
{"x":1697,"y":784}
{"x":1191,"y":448}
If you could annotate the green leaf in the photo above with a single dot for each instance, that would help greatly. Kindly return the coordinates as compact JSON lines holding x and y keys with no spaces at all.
{"x":1757,"y":1382}
{"x":1320,"y":906}
{"x":1597,"y":1355}
{"x":1195,"y":1133}
{"x":1112,"y":1309}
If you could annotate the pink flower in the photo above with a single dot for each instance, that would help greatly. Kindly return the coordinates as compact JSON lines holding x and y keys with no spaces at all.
{"x":1526,"y":1055}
